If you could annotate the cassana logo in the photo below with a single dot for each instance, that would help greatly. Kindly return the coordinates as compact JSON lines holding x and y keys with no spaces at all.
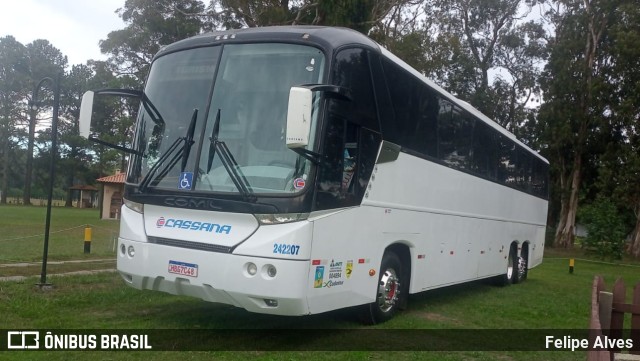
{"x":193,"y":225}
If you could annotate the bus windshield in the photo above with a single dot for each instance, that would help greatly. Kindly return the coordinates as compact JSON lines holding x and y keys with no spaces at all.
{"x":223,"y":119}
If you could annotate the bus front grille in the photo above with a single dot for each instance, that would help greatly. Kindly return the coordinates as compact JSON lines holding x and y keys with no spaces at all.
{"x":191,"y":245}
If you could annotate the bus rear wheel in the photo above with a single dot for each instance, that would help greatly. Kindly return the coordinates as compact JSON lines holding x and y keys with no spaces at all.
{"x":521,"y":270}
{"x":389,"y":292}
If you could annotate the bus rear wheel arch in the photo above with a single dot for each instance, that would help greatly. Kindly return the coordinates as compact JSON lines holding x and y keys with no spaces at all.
{"x":392,"y":289}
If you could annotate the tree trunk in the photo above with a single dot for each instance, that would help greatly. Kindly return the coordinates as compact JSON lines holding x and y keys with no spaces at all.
{"x":73,"y":154}
{"x":565,"y":233}
{"x":26,"y":196}
{"x":635,"y":237}
{"x":4,"y":140}
{"x":566,"y":227}
{"x":5,"y":171}
{"x":69,"y":199}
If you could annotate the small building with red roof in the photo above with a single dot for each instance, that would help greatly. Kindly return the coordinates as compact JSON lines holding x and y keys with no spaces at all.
{"x":112,"y":191}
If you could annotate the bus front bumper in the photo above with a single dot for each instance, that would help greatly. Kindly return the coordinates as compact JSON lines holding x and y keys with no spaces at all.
{"x":217,"y":277}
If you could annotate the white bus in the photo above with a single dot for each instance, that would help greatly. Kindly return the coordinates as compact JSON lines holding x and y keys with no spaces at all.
{"x":297,"y":170}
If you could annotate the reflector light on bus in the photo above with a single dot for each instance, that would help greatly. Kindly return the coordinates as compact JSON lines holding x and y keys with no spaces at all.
{"x":252,"y":269}
{"x":271,"y":270}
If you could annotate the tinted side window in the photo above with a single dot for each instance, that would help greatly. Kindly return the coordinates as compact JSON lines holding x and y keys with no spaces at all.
{"x":485,"y":151}
{"x":539,"y":178}
{"x":415,"y":108}
{"x":524,"y":169}
{"x":506,"y":161}
{"x":401,"y":88}
{"x":351,"y":70}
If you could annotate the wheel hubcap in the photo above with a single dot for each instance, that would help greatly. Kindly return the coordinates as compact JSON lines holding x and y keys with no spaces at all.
{"x":388,"y":290}
{"x":510,"y":266}
{"x":522,"y":267}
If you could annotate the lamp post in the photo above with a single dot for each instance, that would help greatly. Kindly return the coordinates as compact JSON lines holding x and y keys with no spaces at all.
{"x":54,"y":149}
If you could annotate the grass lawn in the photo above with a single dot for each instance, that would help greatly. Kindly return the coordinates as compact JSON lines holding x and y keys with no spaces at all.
{"x":550,"y":299}
{"x":22,"y":234}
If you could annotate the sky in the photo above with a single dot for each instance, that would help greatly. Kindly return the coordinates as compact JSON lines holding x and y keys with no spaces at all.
{"x":73,"y":26}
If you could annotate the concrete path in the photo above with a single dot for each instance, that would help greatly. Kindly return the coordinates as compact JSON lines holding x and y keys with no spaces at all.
{"x":72,"y":273}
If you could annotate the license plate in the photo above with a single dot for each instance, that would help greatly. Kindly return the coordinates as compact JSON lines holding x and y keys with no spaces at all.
{"x":184,"y":269}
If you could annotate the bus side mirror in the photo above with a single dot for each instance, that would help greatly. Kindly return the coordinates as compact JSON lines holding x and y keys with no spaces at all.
{"x":86,"y":108}
{"x":299,"y":117}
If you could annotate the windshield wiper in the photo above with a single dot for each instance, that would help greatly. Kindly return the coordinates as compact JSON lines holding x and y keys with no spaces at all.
{"x":182,"y":152}
{"x":188,"y":141}
{"x":213,"y":139}
{"x":228,"y":161}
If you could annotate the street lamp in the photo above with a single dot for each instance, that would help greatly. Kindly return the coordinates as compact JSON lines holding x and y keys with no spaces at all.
{"x":54,"y":149}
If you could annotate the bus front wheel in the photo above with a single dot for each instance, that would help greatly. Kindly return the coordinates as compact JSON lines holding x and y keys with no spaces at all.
{"x":389,"y":291}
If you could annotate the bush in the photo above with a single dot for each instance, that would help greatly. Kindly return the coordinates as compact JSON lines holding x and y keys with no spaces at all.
{"x":605,"y":228}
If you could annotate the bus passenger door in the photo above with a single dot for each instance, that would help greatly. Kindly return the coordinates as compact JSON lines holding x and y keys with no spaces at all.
{"x":349,"y":153}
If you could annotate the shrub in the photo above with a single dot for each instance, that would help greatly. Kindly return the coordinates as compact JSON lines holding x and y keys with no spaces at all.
{"x":605,"y":228}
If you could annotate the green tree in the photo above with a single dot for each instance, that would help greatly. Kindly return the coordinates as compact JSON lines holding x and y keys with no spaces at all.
{"x":571,"y":118}
{"x":605,"y":229}
{"x":489,"y":55}
{"x":150,"y":25}
{"x":619,"y":165}
{"x":360,"y":15}
{"x":44,"y":60}
{"x":74,"y":157}
{"x":13,"y":69}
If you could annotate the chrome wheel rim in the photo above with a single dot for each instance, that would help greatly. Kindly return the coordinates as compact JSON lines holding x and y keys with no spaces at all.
{"x":388,"y":290}
{"x":522,"y":267}
{"x":510,"y":266}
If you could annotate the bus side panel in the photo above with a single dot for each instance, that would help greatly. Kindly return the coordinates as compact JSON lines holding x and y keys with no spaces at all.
{"x":463,"y":225}
{"x":346,"y":246}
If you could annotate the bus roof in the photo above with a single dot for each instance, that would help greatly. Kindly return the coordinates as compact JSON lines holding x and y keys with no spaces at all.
{"x":329,"y":38}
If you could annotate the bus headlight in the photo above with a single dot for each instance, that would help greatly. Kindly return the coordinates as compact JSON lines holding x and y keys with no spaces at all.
{"x":131,"y":251}
{"x":134,"y":206}
{"x":266,"y":219}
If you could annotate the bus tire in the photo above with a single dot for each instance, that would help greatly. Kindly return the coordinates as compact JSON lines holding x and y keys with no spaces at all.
{"x":390,"y":291}
{"x":512,"y":268}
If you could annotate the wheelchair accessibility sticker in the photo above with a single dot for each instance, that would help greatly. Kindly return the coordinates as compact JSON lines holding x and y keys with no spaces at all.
{"x":186,"y":180}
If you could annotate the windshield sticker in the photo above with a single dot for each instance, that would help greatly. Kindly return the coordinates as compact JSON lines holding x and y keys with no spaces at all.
{"x":335,"y":270}
{"x":186,"y":180}
{"x":310,"y":67}
{"x":319,"y":277}
{"x":349,"y":269}
{"x":299,"y":183}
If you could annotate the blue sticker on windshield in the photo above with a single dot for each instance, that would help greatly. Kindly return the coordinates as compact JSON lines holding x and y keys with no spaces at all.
{"x":186,"y":180}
